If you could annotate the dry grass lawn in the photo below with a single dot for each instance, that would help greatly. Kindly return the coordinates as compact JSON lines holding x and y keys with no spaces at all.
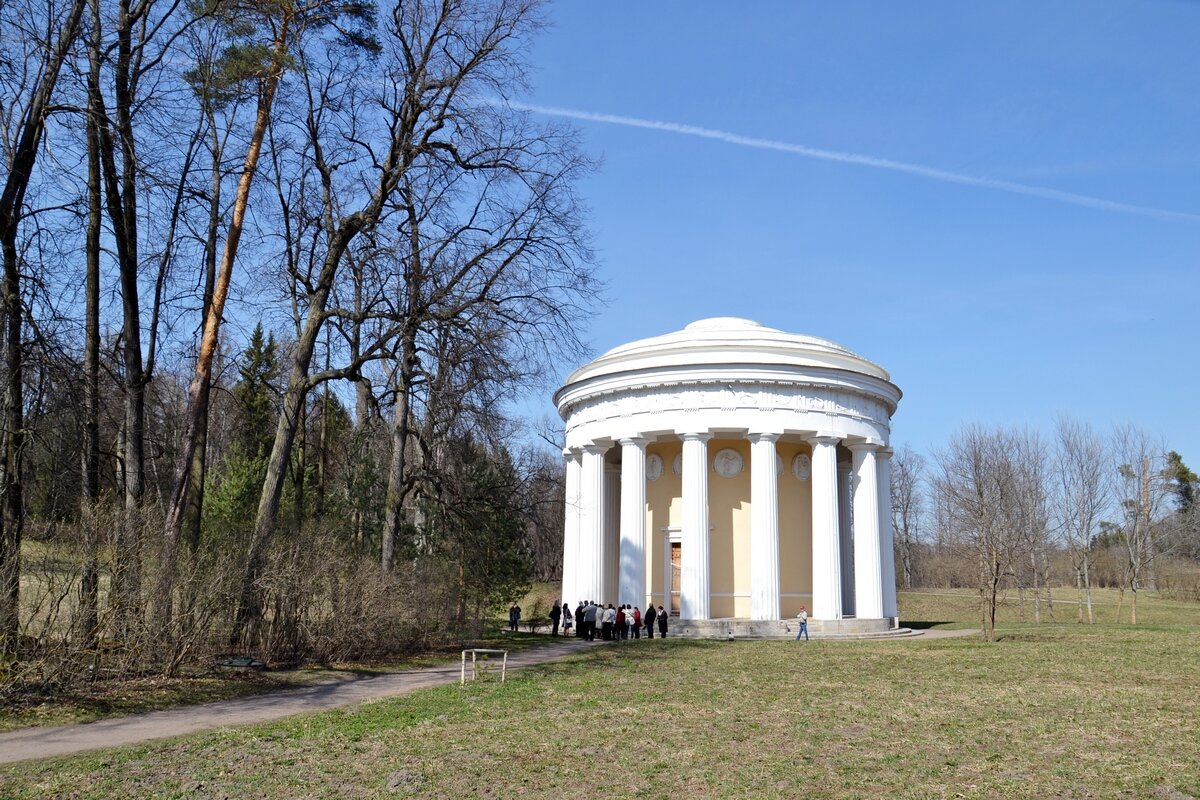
{"x":1056,"y":711}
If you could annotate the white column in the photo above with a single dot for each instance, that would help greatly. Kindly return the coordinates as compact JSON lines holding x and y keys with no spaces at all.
{"x":591,"y":523}
{"x":764,"y":527}
{"x":633,"y":522}
{"x":693,"y":589}
{"x":612,"y":533}
{"x":888,"y":555}
{"x":827,"y":569}
{"x":845,"y":537}
{"x":868,"y":584}
{"x":570,"y":578}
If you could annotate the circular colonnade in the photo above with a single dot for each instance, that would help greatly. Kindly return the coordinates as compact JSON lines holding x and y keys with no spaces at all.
{"x":731,"y":471}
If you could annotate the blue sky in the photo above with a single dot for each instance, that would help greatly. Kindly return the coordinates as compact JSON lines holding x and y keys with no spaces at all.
{"x":985,"y":301}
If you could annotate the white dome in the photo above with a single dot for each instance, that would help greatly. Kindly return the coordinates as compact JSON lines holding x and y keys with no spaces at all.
{"x":724,"y":341}
{"x":728,"y":374}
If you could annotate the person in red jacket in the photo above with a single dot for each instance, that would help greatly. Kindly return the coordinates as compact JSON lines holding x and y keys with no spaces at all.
{"x":637,"y":622}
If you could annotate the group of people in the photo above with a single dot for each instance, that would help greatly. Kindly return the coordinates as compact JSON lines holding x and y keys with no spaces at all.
{"x":622,"y":622}
{"x":613,"y":623}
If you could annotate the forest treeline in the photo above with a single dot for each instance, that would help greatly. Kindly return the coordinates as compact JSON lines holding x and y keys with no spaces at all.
{"x":1006,"y":509}
{"x":273,"y":271}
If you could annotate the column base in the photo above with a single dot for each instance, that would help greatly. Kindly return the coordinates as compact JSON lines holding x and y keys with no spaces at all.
{"x":785,"y":629}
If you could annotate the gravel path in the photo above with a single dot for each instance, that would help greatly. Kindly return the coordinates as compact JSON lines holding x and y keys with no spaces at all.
{"x":31,"y":743}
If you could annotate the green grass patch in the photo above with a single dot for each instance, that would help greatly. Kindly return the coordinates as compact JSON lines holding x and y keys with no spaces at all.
{"x":958,"y":608}
{"x":1048,"y":711}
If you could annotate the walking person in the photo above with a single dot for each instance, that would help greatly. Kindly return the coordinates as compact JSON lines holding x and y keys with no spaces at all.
{"x":649,"y":621}
{"x":555,"y":615}
{"x":662,"y":622}
{"x":802,"y":620}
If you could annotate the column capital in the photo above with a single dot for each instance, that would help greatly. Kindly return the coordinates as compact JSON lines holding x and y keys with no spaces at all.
{"x":884,"y":452}
{"x":595,"y":449}
{"x":634,"y":441}
{"x":572,"y":453}
{"x":822,"y":438}
{"x":696,"y":436}
{"x":862,"y":447}
{"x":763,"y":437}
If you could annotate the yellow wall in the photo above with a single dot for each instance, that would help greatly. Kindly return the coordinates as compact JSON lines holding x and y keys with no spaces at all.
{"x":663,"y":509}
{"x":729,"y":518}
{"x":729,"y":540}
{"x":795,"y":531}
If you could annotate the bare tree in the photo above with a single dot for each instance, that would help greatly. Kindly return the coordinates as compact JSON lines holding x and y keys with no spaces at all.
{"x":46,"y":35}
{"x":908,"y":507}
{"x":484,"y":232}
{"x":1081,"y":497}
{"x":1141,"y":493}
{"x":991,"y":501}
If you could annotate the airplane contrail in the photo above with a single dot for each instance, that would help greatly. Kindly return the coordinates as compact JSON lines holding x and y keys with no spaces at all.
{"x":920,"y":170}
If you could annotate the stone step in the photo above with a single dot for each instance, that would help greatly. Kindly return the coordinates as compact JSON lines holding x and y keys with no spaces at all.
{"x":786,"y":629}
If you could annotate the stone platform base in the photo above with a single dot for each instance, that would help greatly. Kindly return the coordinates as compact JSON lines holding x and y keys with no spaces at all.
{"x":786,"y":629}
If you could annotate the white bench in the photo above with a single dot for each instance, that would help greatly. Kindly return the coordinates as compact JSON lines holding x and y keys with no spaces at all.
{"x":475,"y":653}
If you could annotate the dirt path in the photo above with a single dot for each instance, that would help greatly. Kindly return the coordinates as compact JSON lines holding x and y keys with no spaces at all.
{"x":30,"y":743}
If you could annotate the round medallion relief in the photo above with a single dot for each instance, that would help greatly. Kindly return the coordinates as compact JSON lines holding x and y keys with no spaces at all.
{"x":677,"y":464}
{"x":654,"y":467}
{"x":728,"y":462}
{"x":802,"y":467}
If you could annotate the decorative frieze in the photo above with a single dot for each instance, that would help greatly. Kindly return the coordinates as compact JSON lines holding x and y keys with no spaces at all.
{"x":769,"y":399}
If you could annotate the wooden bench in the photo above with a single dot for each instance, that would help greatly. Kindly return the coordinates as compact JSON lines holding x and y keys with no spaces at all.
{"x":241,"y":662}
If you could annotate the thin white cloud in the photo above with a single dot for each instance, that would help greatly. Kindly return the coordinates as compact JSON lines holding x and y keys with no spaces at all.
{"x":919,"y":170}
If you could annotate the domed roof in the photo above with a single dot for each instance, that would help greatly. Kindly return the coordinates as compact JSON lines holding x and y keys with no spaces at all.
{"x":727,"y":341}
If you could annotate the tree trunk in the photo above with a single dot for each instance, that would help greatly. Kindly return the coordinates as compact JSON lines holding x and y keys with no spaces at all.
{"x":21,"y":158}
{"x":1037,"y":598}
{"x":1150,"y":578}
{"x":198,"y":389}
{"x":89,"y":585}
{"x":397,"y":476}
{"x":249,"y":612}
{"x":1087,"y":587}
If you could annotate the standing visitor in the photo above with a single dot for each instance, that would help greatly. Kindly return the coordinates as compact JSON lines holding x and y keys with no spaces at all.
{"x":514,"y":617}
{"x":580,"y":628}
{"x":555,"y":614}
{"x":649,"y":621}
{"x":567,"y":619}
{"x":637,"y":623}
{"x":607,"y":621}
{"x":619,"y":630}
{"x":589,"y":620}
{"x":662,"y":622}
{"x":802,"y":618}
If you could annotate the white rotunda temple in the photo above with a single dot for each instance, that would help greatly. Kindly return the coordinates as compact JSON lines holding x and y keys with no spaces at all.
{"x":731,"y":472}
